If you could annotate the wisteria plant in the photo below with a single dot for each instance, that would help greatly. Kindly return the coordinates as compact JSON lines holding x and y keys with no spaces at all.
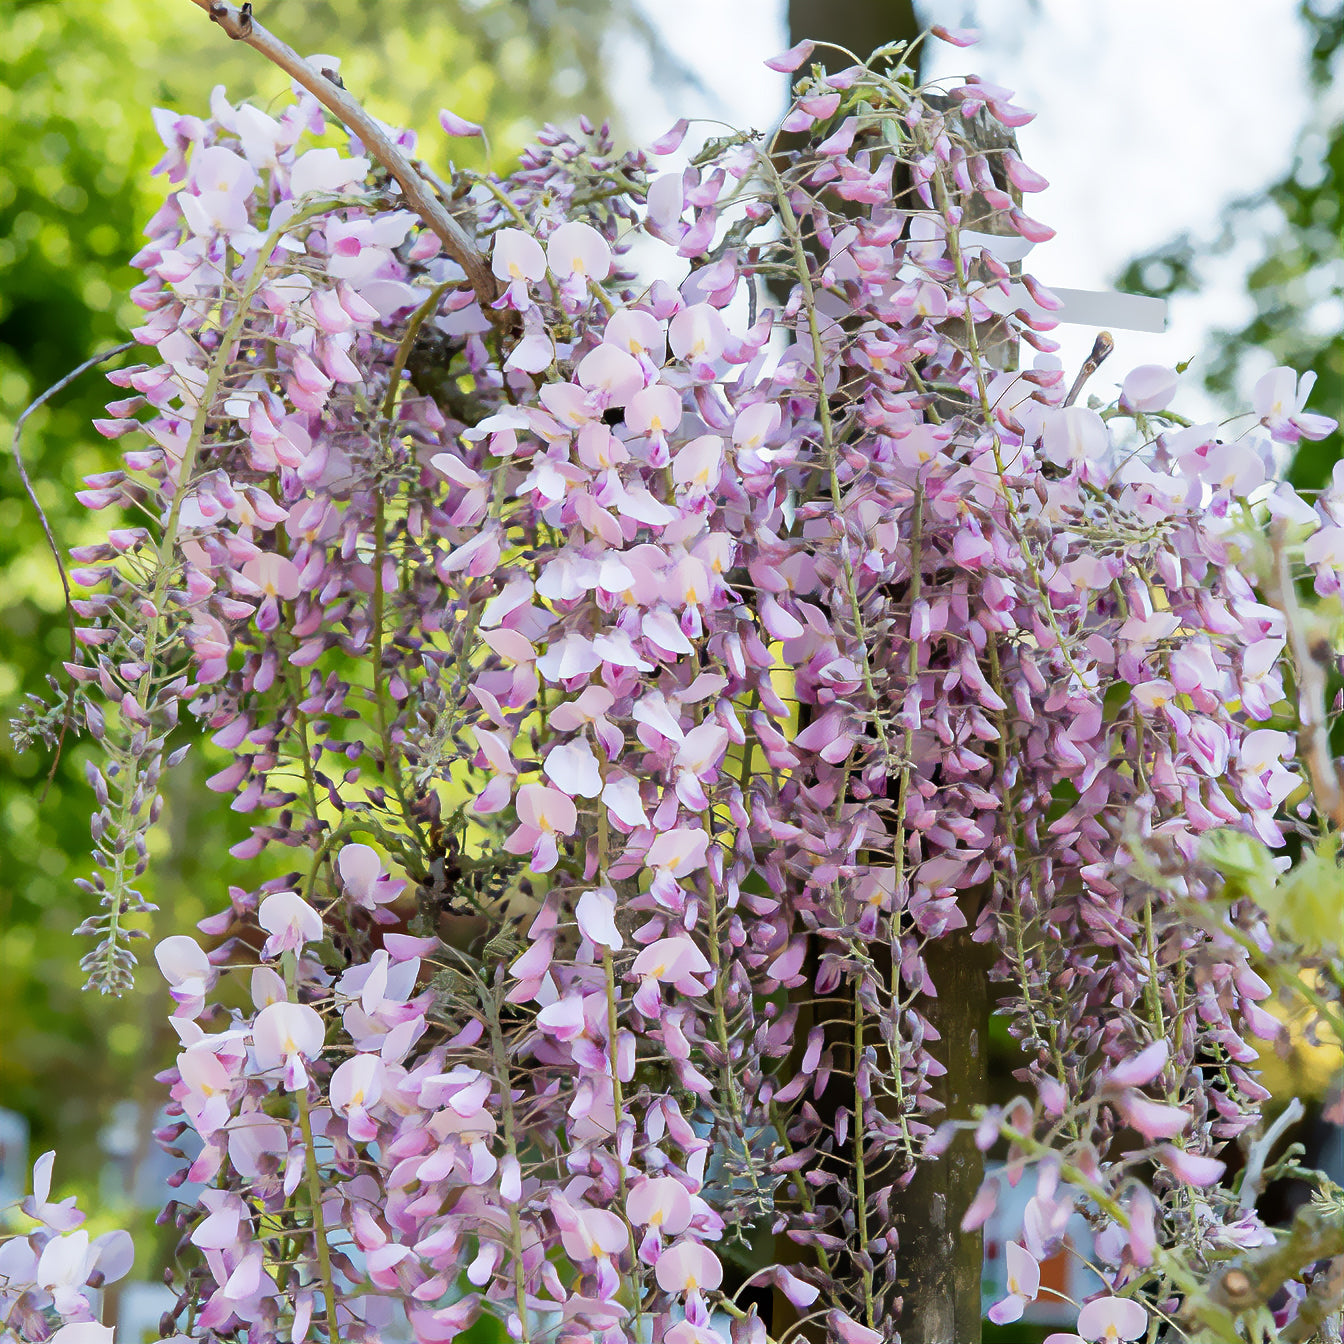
{"x":665,"y":644}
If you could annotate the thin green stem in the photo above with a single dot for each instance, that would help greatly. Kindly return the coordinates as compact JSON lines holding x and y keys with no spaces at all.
{"x":501,"y":1060}
{"x":314,"y":1176}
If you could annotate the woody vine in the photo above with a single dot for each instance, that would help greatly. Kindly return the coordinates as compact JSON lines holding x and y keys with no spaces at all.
{"x":642,"y":664}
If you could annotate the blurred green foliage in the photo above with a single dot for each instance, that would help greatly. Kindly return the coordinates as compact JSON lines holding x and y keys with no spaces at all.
{"x":77,"y":80}
{"x":1297,"y":283}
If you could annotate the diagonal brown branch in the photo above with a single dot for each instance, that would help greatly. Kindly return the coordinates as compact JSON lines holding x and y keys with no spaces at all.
{"x":242,"y":27}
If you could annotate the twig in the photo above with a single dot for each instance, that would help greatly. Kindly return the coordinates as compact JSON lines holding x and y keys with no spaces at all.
{"x":55,"y":550}
{"x":1259,"y":1151}
{"x":242,"y":27}
{"x":1309,"y":673}
{"x":1101,"y":347}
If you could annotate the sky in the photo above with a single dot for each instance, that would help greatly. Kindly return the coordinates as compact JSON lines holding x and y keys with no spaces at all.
{"x":1152,"y":116}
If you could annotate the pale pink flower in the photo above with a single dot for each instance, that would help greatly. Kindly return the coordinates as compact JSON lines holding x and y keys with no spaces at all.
{"x":224,"y":182}
{"x":697,"y":334}
{"x":1280,"y":399}
{"x":675,"y":961}
{"x":610,"y":376}
{"x":679,"y":851}
{"x":188,"y":971}
{"x":364,"y":877}
{"x":788,"y":61}
{"x":571,"y":766}
{"x":1142,"y":1227}
{"x":564,"y":1019}
{"x":699,"y":464}
{"x":684,"y":1332}
{"x":687,"y":1267}
{"x":290,"y":921}
{"x":543,"y":814}
{"x":577,"y":251}
{"x":697,"y":762}
{"x":753,"y":426}
{"x":638,"y":333}
{"x":275,"y":578}
{"x":1138,"y":1070}
{"x":596,"y":916}
{"x":596,"y":1234}
{"x":622,"y":797}
{"x":60,"y":1217}
{"x":457,"y":126}
{"x":661,"y":1202}
{"x":206,"y":1084}
{"x":985,"y":1201}
{"x":798,"y":1291}
{"x":1149,"y":387}
{"x":517,"y":257}
{"x":283,"y":1036}
{"x":1107,"y":1319}
{"x":655,"y":412}
{"x":1024,"y":1282}
{"x":273,"y":575}
{"x":326,"y":171}
{"x":849,"y":1331}
{"x":83,"y":1332}
{"x":1074,"y":435}
{"x":356,"y":1085}
{"x":63,"y":1270}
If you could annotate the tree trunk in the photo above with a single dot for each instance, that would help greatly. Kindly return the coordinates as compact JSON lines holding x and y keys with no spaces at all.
{"x":940,"y":1265}
{"x":861,"y":26}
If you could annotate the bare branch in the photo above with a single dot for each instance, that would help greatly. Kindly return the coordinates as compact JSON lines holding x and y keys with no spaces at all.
{"x":1257,"y":1154}
{"x":242,"y":27}
{"x":1101,"y":347}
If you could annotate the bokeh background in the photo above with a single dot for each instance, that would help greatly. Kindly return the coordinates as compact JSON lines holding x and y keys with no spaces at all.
{"x":1196,"y":150}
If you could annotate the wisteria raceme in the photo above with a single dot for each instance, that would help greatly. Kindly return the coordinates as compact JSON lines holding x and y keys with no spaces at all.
{"x":646,"y":676}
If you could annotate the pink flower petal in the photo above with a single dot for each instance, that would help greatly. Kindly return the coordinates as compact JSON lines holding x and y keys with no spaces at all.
{"x":455,"y":125}
{"x":1110,"y":1318}
{"x":788,"y":61}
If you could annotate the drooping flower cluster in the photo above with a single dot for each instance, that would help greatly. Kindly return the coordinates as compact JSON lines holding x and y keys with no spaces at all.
{"x":646,"y":674}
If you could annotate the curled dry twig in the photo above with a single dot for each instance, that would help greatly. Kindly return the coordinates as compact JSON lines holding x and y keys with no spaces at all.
{"x":420,"y":196}
{"x":57,"y":387}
